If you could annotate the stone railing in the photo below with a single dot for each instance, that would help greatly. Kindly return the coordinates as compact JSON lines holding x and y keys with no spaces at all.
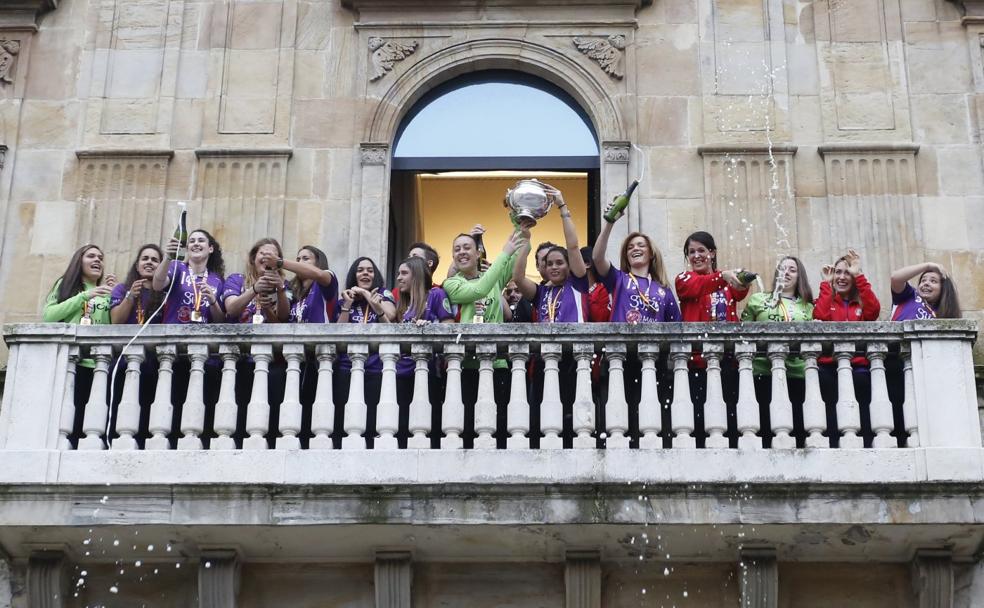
{"x":935,"y":378}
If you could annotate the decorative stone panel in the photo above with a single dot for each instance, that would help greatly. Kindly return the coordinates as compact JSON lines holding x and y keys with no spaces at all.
{"x":241,"y":196}
{"x":121,"y":197}
{"x":394,"y":578}
{"x":932,"y":579}
{"x":749,"y":202}
{"x":47,"y":580}
{"x":873,"y":207}
{"x":582,"y":579}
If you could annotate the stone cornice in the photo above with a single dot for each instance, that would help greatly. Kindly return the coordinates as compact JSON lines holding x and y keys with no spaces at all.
{"x":123,"y":152}
{"x":746,"y":149}
{"x":868,"y":148}
{"x":216,"y":152}
{"x":471,"y":4}
{"x":19,"y":14}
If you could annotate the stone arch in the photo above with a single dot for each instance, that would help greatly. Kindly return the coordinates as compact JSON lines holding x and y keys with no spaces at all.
{"x":512,"y":54}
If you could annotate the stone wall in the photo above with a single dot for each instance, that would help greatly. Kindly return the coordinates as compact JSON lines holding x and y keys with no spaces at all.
{"x":781,"y":125}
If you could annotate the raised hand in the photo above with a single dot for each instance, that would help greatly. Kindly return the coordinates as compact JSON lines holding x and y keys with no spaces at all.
{"x":827,"y":272}
{"x":853,"y":262}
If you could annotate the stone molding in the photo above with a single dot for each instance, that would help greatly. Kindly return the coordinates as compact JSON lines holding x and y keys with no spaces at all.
{"x":606,"y":52}
{"x":582,"y":578}
{"x":47,"y":579}
{"x":359,"y":5}
{"x":932,"y":578}
{"x":760,"y":578}
{"x":374,"y":154}
{"x":759,"y":149}
{"x":394,"y":579}
{"x":387,"y":53}
{"x":231,"y":152}
{"x":616,"y":151}
{"x":218,"y":578}
{"x":124,"y":153}
{"x":868,"y":148}
{"x":24,"y":13}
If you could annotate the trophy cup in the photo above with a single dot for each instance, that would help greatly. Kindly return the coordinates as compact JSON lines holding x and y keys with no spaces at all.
{"x":528,"y":199}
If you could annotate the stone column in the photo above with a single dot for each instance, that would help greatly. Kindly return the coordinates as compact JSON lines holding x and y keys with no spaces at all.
{"x":47,"y":579}
{"x":218,"y":578}
{"x":394,"y":578}
{"x":369,"y":217}
{"x":932,"y":578}
{"x":615,"y":156}
{"x":582,"y":579}
{"x":759,"y":578}
{"x":6,"y":594}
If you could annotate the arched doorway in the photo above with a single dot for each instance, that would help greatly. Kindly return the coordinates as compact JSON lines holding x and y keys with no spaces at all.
{"x":464,"y":142}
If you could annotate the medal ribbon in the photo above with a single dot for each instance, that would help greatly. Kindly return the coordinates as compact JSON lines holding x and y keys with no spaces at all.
{"x":782,"y":307}
{"x":196,"y":287}
{"x":365,"y":314}
{"x":140,"y":310}
{"x":552,"y":305}
{"x":645,"y":296}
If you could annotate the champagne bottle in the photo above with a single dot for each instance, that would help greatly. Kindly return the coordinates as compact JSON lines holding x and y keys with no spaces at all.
{"x":181,"y":233}
{"x":482,"y":254}
{"x":746,"y":276}
{"x":620,"y":203}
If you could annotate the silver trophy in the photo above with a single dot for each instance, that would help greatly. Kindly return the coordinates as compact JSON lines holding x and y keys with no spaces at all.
{"x":529,"y":199}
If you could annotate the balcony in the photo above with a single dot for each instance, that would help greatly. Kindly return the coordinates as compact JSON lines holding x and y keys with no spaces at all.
{"x":214,"y":472}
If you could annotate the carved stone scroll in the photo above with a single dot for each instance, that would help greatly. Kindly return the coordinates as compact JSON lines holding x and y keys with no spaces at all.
{"x":386,"y":53}
{"x":9,"y":49}
{"x":606,"y":52}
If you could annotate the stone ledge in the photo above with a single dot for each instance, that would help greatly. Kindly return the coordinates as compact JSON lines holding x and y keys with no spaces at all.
{"x":717,"y":149}
{"x":123,"y":153}
{"x":224,"y":152}
{"x":23,"y":14}
{"x":868,"y":148}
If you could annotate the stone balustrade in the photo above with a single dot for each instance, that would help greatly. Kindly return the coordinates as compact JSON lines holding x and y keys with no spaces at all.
{"x":612,"y":368}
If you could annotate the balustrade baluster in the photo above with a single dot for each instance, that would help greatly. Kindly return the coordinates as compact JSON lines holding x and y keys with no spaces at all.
{"x":682,"y":408}
{"x":419,"y":424}
{"x":882,"y":417}
{"x":584,"y":407}
{"x":848,"y":410}
{"x":161,"y":410}
{"x":453,"y":410}
{"x":226,"y":410}
{"x":814,"y":410}
{"x":290,"y":409}
{"x":258,"y":409}
{"x":650,"y":406}
{"x":323,"y":408}
{"x":749,"y":421}
{"x":128,"y":411}
{"x":551,"y":407}
{"x":355,"y":408}
{"x":66,"y":421}
{"x":909,"y":403}
{"x":780,"y":408}
{"x":193,"y":411}
{"x":485,"y":407}
{"x":96,"y":409}
{"x":715,"y":409}
{"x":617,"y":408}
{"x":388,"y":410}
{"x":518,"y":410}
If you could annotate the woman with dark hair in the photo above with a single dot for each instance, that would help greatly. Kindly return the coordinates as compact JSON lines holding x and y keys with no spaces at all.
{"x":706,"y":293}
{"x":80,"y":295}
{"x":935,"y":296}
{"x":314,"y":288}
{"x":134,"y":300}
{"x":845,"y":295}
{"x":198,"y":281}
{"x":260,"y":294}
{"x":791,"y":300}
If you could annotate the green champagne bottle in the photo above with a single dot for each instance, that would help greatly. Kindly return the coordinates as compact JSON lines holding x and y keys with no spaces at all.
{"x":620,"y":203}
{"x":181,"y":234}
{"x":746,"y":276}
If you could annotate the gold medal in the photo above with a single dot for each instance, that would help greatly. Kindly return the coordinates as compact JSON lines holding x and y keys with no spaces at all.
{"x":85,"y":321}
{"x":258,"y":318}
{"x":196,"y":317}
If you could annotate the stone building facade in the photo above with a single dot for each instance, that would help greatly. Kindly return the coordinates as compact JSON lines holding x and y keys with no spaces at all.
{"x":801,"y":126}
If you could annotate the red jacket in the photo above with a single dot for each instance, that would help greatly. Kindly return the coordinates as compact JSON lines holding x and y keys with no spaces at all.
{"x":703,"y":296}
{"x":831,"y":307}
{"x":599,"y":304}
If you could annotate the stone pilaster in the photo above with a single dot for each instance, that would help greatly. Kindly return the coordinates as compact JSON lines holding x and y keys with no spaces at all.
{"x":616,"y":159}
{"x":394,"y":578}
{"x":218,"y":578}
{"x":6,"y":593}
{"x":47,"y":579}
{"x":582,"y":579}
{"x":369,"y":217}
{"x":759,"y":571}
{"x":932,"y":579}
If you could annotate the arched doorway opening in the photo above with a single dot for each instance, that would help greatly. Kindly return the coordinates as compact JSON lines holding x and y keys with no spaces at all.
{"x":464,"y":142}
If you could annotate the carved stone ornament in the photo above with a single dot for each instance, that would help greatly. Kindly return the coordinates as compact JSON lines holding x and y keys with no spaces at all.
{"x":616,"y":152}
{"x":374,"y":154}
{"x":8,"y":59}
{"x":606,"y":52}
{"x":385,"y":53}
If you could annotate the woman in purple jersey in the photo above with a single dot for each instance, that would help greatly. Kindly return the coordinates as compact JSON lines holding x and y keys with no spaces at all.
{"x":935,"y":295}
{"x":419,"y":303}
{"x":314,"y":288}
{"x":198,"y":281}
{"x":259,"y":295}
{"x":134,"y":300}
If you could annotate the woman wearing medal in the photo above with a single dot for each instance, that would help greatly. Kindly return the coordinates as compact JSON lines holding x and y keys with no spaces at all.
{"x":134,"y":300}
{"x":259,"y":295}
{"x":791,"y":300}
{"x":81,"y":295}
{"x":198,"y":280}
{"x":640,"y":294}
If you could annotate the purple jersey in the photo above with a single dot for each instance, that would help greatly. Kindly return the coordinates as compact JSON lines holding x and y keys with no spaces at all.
{"x":235,"y":285}
{"x":181,"y":303}
{"x":362,"y":313}
{"x":438,"y":308}
{"x":910,"y":306}
{"x":119,"y":294}
{"x":639,"y":299}
{"x":319,"y":304}
{"x":567,"y":303}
